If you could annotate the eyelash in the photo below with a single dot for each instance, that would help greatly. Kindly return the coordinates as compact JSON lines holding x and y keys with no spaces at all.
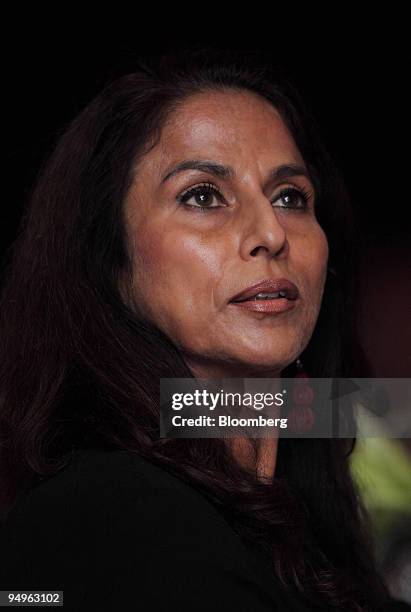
{"x":210,"y":188}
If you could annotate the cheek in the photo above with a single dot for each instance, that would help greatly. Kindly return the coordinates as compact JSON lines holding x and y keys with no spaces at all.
{"x":318,"y":267}
{"x":175,"y":274}
{"x":312,"y":263}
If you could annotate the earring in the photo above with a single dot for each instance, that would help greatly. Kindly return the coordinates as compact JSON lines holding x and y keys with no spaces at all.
{"x":301,"y":416}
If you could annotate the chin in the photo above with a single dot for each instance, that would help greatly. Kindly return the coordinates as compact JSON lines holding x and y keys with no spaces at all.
{"x":273,"y":353}
{"x":268,"y":361}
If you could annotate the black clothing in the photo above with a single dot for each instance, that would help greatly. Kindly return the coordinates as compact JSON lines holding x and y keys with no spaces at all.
{"x":116,"y":532}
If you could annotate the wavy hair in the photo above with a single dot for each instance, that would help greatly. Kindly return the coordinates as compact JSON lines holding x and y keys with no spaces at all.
{"x":79,"y":366}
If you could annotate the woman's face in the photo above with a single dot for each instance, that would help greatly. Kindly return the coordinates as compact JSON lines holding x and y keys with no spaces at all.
{"x":190,"y":262}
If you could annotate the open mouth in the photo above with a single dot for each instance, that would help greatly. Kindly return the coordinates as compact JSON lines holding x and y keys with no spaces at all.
{"x":263,"y":296}
{"x":269,"y":304}
{"x":267,"y":290}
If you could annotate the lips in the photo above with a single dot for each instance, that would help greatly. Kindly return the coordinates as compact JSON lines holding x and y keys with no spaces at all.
{"x":287,"y":288}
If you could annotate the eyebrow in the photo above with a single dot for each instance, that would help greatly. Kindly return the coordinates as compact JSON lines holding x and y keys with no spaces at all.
{"x":226,"y":172}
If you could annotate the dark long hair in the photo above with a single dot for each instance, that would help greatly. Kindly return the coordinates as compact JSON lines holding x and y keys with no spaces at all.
{"x":79,"y":367}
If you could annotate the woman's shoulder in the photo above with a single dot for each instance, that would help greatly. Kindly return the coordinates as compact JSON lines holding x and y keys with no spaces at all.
{"x":97,"y":485}
{"x":112,"y":525}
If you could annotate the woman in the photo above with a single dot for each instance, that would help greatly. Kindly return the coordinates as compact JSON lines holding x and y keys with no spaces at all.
{"x":179,"y":186}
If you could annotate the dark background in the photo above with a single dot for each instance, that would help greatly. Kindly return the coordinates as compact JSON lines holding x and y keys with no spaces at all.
{"x":353,"y":77}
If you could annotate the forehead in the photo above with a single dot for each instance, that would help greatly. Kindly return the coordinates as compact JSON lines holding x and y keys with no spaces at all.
{"x":226,"y":125}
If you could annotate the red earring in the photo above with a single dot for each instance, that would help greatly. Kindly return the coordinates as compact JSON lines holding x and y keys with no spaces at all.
{"x":301,"y":416}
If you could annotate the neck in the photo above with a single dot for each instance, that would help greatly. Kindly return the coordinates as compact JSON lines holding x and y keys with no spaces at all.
{"x":259,"y":455}
{"x":260,"y":460}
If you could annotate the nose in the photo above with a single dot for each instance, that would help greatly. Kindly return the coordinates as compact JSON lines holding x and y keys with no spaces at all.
{"x":261,"y":231}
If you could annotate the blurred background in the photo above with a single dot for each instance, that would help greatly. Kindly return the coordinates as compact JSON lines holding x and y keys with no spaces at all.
{"x":351,"y":73}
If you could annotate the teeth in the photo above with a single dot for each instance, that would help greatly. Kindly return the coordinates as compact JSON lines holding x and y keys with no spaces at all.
{"x":265,"y":296}
{"x":269,"y":296}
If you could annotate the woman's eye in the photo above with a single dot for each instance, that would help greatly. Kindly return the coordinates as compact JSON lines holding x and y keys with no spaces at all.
{"x":203,"y":196}
{"x":293,"y":198}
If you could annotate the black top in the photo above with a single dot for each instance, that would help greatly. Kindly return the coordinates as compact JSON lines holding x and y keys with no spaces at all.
{"x":115,"y":532}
